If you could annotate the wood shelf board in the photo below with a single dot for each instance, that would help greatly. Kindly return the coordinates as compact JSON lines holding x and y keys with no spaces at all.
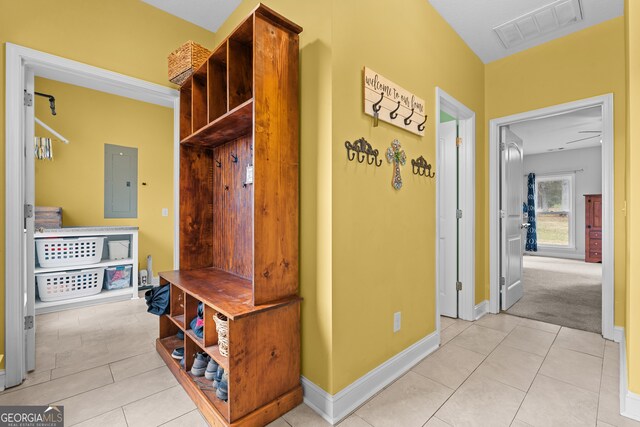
{"x":212,"y":412}
{"x":178,"y":320}
{"x":276,"y":18}
{"x":214,"y":352}
{"x":229,"y":126}
{"x":226,"y":293}
{"x":199,"y":341}
{"x":206,"y":388}
{"x":170,"y":344}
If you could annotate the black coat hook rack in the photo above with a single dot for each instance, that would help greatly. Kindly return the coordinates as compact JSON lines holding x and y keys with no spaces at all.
{"x":234,"y":158}
{"x":407,"y":120}
{"x":420,"y":167}
{"x":393,"y":114}
{"x":218,"y":163}
{"x":421,"y":126}
{"x":376,"y":110}
{"x":363,"y":150}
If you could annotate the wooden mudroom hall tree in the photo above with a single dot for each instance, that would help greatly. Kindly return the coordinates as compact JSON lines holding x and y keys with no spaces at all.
{"x":239,"y":224}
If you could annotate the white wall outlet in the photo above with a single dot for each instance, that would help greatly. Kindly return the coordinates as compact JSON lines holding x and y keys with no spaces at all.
{"x":397,"y":320}
{"x":165,"y":212}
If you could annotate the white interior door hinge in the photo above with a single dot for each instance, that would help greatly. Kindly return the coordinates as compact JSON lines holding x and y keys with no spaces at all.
{"x":28,"y":322}
{"x":458,"y":286}
{"x":503,"y":146}
{"x":458,"y":141}
{"x":28,"y":99}
{"x":459,"y":213}
{"x":28,"y":211}
{"x":503,"y":281}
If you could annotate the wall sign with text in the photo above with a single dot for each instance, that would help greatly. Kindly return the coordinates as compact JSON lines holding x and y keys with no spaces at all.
{"x":386,"y":101}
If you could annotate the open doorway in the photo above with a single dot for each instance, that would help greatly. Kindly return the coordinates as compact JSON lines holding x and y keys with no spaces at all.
{"x":562,"y":210}
{"x":553,"y":216}
{"x":29,"y":71}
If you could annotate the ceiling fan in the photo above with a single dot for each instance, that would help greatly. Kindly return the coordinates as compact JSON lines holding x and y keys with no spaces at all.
{"x":584,"y":139}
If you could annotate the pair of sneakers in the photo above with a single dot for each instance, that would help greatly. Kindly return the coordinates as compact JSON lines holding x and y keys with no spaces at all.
{"x":204,"y":365}
{"x":221,"y":384}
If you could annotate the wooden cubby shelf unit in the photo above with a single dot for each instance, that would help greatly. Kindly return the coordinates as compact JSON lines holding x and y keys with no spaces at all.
{"x":239,"y":130}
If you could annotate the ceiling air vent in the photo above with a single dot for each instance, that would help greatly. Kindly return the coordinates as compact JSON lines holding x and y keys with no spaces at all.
{"x":541,"y":21}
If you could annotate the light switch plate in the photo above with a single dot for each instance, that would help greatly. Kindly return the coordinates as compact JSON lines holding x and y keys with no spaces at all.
{"x":165,"y":212}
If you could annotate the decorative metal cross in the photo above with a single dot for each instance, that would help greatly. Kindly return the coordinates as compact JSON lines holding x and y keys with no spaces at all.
{"x":396,"y":155}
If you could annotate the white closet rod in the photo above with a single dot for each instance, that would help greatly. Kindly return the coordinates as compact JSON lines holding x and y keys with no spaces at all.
{"x":56,"y":134}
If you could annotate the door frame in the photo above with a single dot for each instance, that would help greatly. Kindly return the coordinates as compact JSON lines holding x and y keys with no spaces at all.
{"x":606,"y":102}
{"x":467,"y":121}
{"x":19,"y":60}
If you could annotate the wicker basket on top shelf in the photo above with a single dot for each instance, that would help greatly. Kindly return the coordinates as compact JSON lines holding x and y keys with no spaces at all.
{"x":185,"y":60}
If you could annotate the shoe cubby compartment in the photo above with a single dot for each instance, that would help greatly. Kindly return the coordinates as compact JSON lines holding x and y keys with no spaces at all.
{"x":239,"y":238}
{"x":240,"y":46}
{"x":199,"y":114}
{"x":186,"y":127}
{"x":217,"y":80}
{"x":176,"y":307}
{"x":191,"y":312}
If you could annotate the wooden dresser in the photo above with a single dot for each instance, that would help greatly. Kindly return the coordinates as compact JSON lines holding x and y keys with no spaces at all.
{"x":593,"y":227}
{"x":239,"y":119}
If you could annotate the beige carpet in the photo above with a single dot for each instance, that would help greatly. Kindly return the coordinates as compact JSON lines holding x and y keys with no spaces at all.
{"x":563,"y":292}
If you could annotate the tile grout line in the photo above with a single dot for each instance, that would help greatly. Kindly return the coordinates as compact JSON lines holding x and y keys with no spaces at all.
{"x":536,"y":375}
{"x":472,"y":372}
{"x":120,"y":407}
{"x":97,"y":388}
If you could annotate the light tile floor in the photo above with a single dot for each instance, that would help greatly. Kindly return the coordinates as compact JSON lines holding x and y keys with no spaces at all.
{"x":100,"y":362}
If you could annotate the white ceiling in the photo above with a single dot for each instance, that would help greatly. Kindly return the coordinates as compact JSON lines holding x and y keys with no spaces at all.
{"x":209,"y":14}
{"x":474,"y":21}
{"x":582,"y":129}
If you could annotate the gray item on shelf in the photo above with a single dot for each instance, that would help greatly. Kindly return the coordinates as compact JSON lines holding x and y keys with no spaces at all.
{"x":149,"y":269}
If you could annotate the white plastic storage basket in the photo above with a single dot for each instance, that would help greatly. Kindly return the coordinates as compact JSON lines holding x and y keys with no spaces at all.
{"x":70,"y":284}
{"x":69,"y":252}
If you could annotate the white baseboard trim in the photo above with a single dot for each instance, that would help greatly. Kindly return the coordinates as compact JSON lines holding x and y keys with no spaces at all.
{"x":481,"y":309}
{"x":3,"y":382}
{"x":629,"y":401}
{"x":618,"y":334}
{"x":334,"y":408}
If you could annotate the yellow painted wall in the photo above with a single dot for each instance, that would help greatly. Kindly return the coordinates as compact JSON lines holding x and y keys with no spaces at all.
{"x":632,"y":329}
{"x":315,"y":177}
{"x":383,"y":239}
{"x":75,"y":178}
{"x":588,"y":63}
{"x":126,"y":36}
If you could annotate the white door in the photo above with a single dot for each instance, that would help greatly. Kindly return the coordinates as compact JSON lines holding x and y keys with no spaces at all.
{"x":29,"y":199}
{"x":448,"y":236}
{"x":512,"y":227}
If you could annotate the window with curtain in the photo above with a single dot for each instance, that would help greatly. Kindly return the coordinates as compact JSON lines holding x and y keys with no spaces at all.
{"x":555,"y":210}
